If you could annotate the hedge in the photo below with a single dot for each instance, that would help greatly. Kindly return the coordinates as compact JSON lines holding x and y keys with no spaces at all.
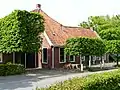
{"x":104,"y":81}
{"x":11,"y":69}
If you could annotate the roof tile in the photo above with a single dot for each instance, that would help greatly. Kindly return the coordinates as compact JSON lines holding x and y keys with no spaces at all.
{"x":58,"y":34}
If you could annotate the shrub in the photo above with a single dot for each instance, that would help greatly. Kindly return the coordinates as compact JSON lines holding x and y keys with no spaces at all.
{"x":104,"y":81}
{"x":11,"y":69}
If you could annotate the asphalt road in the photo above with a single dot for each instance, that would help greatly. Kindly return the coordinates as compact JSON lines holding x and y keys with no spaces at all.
{"x":41,"y":79}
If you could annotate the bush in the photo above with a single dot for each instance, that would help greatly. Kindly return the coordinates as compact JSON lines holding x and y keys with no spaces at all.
{"x":104,"y":81}
{"x":11,"y":69}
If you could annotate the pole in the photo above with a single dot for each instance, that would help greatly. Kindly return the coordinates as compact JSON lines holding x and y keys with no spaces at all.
{"x":13,"y":57}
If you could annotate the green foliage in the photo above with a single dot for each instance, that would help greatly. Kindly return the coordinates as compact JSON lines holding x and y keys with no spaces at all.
{"x":108,"y":28}
{"x":113,"y":46}
{"x":98,"y":22}
{"x":85,"y":25}
{"x":110,"y":34}
{"x":19,"y":32}
{"x":11,"y":69}
{"x":104,"y":81}
{"x":84,"y":46}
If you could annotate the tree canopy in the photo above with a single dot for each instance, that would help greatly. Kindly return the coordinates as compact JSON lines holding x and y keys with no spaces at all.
{"x":84,"y":46}
{"x":19,"y":32}
{"x":97,"y":22}
{"x":108,"y":29}
{"x":113,"y":46}
{"x":110,"y":34}
{"x":104,"y":26}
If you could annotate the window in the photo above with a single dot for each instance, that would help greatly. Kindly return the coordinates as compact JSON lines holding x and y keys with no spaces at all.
{"x":62,"y":58}
{"x":72,"y":58}
{"x":0,"y":57}
{"x":98,"y":58}
{"x":93,"y":59}
{"x":44,"y":55}
{"x":83,"y":58}
{"x":104,"y":57}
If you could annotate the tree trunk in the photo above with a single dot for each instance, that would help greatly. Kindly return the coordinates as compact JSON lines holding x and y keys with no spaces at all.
{"x":81,"y":65}
{"x":89,"y":61}
{"x":101,"y":62}
{"x":117,"y":60}
{"x":13,"y":57}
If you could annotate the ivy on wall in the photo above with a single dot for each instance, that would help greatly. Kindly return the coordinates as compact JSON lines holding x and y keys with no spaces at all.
{"x":19,"y":32}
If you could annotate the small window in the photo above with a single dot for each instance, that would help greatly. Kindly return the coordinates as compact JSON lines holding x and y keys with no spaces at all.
{"x":104,"y":57}
{"x":44,"y":55}
{"x":98,"y":58}
{"x":62,"y":55}
{"x":94,"y":58}
{"x":83,"y":58}
{"x":72,"y":58}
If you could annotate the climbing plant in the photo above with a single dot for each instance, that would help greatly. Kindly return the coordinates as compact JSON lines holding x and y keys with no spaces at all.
{"x":19,"y":32}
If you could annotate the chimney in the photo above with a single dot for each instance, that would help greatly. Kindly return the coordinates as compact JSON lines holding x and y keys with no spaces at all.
{"x":61,"y":26}
{"x":38,"y":6}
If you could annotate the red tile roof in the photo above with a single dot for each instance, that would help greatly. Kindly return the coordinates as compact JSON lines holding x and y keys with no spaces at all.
{"x":58,"y":34}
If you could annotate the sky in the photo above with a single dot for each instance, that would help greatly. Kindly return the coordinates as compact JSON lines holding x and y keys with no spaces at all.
{"x":66,"y":12}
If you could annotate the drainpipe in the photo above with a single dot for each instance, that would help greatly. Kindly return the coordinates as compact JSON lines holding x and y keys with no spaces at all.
{"x":25,"y":60}
{"x":53,"y":58}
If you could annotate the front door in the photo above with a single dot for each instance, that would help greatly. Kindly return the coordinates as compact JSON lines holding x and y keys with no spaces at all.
{"x":30,"y":60}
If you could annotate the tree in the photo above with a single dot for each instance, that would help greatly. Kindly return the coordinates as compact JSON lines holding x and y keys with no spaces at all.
{"x":110,"y":34}
{"x":85,"y":25}
{"x":107,"y":27}
{"x":113,"y":47}
{"x":84,"y":46}
{"x":98,"y":23}
{"x":19,"y":32}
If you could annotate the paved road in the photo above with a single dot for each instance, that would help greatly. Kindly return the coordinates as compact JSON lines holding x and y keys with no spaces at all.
{"x":42,"y":79}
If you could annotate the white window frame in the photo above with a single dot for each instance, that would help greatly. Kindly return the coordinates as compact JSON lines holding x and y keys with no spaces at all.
{"x":83,"y":58}
{"x":42,"y":56}
{"x":104,"y":57}
{"x":1,"y":56}
{"x":94,"y":58}
{"x":64,"y":57}
{"x":73,"y":59}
